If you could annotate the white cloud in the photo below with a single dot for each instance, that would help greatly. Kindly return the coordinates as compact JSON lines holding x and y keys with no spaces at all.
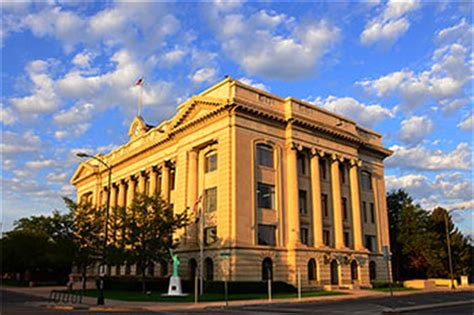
{"x":390,"y":24}
{"x":204,"y":75}
{"x":365,"y":115}
{"x":273,"y":45}
{"x":460,"y":33}
{"x":43,"y":98}
{"x":7,"y":117}
{"x":254,"y":84}
{"x":58,"y":177}
{"x":83,"y":59}
{"x":14,"y":143}
{"x":415,"y":129}
{"x":75,"y":114}
{"x":35,"y":165}
{"x":422,"y":158}
{"x":467,"y":122}
{"x":172,"y":57}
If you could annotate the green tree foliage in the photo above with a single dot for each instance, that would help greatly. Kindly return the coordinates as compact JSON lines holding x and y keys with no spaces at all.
{"x":418,"y":241}
{"x":150,"y":224}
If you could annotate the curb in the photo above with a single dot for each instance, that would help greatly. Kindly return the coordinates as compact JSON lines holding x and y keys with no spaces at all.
{"x":425,"y":307}
{"x":93,"y":308}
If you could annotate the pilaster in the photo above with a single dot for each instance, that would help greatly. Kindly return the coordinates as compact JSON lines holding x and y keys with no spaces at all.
{"x":316,"y":198}
{"x":356,"y":221}
{"x":336,"y":202}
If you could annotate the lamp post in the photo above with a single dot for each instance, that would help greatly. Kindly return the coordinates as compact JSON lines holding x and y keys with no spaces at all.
{"x":448,"y":241}
{"x":100,"y":297}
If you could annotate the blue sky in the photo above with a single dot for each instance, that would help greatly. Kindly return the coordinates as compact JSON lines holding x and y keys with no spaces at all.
{"x":402,"y":68}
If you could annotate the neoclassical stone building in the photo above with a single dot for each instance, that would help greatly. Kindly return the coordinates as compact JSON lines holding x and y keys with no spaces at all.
{"x":284,"y":185}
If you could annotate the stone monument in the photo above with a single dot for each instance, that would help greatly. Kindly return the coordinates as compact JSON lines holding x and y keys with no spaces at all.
{"x":174,"y":288}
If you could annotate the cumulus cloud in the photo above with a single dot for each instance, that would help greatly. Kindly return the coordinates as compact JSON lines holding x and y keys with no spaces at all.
{"x":421,"y":158}
{"x":391,"y":24}
{"x":83,"y":59}
{"x":467,"y":122}
{"x":204,"y":75}
{"x":415,"y":129}
{"x":444,"y":81}
{"x":273,"y":45}
{"x":254,"y":84}
{"x":14,"y":143}
{"x":365,"y":115}
{"x":35,"y":165}
{"x":7,"y":117}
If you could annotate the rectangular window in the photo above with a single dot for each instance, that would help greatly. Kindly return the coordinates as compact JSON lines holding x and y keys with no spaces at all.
{"x":324,"y":204}
{"x":322,"y":169}
{"x":346,"y":239}
{"x":210,"y":163}
{"x":342,"y":173}
{"x":210,"y":199}
{"x":264,"y":155}
{"x":326,"y":237}
{"x":301,"y":164}
{"x":345,"y":213}
{"x":364,"y":210}
{"x":366,"y":180}
{"x":304,"y":235}
{"x":372,"y":212}
{"x":266,"y":234}
{"x":303,"y":205}
{"x":370,"y":241}
{"x":265,"y":196}
{"x":210,"y":235}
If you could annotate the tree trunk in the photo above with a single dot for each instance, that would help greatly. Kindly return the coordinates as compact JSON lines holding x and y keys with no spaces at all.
{"x":84,"y":276}
{"x":143,"y":278}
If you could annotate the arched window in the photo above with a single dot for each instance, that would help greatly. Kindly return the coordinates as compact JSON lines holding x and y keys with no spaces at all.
{"x":264,"y":155}
{"x":354,"y":271}
{"x":209,"y":269}
{"x":192,"y":268}
{"x":312,"y":274}
{"x":372,"y":271}
{"x":334,"y":273}
{"x":267,"y":269}
{"x":163,"y":268}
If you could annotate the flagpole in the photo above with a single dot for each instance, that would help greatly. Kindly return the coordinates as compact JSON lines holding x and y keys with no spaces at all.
{"x":140,"y":100}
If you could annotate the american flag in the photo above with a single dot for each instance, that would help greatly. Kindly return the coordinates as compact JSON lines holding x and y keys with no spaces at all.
{"x":139,"y":82}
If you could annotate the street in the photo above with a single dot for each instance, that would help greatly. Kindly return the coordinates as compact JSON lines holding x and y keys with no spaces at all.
{"x":15,"y":303}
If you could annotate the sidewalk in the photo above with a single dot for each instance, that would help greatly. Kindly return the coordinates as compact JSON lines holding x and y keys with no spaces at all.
{"x":90,"y":303}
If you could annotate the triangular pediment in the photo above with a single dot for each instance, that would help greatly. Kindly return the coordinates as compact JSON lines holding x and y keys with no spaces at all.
{"x":138,"y":127}
{"x":82,"y":171}
{"x":194,"y":109}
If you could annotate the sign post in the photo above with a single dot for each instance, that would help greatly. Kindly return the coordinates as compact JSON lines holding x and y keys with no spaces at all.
{"x":226,"y":256}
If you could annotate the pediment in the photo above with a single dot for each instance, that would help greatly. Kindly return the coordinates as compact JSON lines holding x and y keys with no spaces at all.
{"x":194,"y":109}
{"x":138,"y":127}
{"x":82,"y":171}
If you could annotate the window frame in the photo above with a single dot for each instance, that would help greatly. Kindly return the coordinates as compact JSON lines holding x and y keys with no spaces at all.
{"x":260,"y":228}
{"x":207,"y":199}
{"x":260,"y":196}
{"x":265,"y":155}
{"x":303,"y":206}
{"x":209,"y":166}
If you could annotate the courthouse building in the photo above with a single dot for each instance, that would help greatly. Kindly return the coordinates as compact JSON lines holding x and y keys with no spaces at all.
{"x":286,"y":186}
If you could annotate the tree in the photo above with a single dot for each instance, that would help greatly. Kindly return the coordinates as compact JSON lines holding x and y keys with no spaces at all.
{"x":88,"y":232}
{"x":149,"y":227}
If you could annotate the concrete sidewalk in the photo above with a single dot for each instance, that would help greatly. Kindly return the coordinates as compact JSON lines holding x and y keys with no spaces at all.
{"x":90,"y":303}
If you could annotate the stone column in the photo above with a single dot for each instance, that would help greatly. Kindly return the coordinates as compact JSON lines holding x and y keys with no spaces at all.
{"x":141,"y":182}
{"x":355,"y":203}
{"x":153,"y":176}
{"x":192,"y":179}
{"x":121,"y":194}
{"x":292,"y":195}
{"x":165,"y":182}
{"x":130,"y":191}
{"x":316,"y":198}
{"x":336,"y":203}
{"x":376,"y":212}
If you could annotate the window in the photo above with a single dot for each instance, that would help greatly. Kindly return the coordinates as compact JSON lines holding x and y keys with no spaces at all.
{"x":267,"y":269}
{"x":304,"y":235}
{"x":301,"y":164}
{"x":264,"y":155}
{"x":312,"y":274}
{"x":210,"y":199}
{"x":342,"y":173}
{"x":366,"y":180}
{"x":326,"y":237}
{"x":344,"y":209}
{"x":210,"y":163}
{"x":324,"y":204}
{"x":266,"y":234}
{"x":303,"y":202}
{"x":364,"y":210}
{"x":322,"y":169}
{"x":346,"y":239}
{"x":210,"y":235}
{"x":209,"y":269}
{"x":372,"y":212}
{"x":370,"y":242}
{"x":265,"y":196}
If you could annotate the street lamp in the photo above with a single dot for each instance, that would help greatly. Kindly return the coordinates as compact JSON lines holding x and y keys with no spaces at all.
{"x":448,"y":239}
{"x":100,"y":298}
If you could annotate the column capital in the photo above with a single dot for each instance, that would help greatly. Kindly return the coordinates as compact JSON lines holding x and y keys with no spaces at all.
{"x":152,"y":169}
{"x":317,"y":152}
{"x":294,"y":146}
{"x":354,"y":162}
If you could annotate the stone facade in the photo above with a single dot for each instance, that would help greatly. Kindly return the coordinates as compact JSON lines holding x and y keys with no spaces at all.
{"x":285,"y":186}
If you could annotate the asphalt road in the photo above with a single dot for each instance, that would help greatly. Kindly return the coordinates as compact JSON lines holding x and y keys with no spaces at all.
{"x":15,"y":303}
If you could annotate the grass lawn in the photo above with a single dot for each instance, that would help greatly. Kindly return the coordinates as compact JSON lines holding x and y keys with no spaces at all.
{"x":394,"y":289}
{"x":207,"y":297}
{"x":14,"y":283}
